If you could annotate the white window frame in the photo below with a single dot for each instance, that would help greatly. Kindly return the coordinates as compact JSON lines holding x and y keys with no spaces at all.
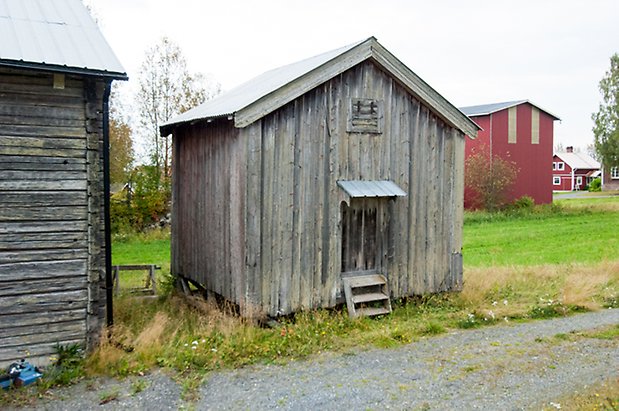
{"x":554,"y":165}
{"x":579,"y":180}
{"x":560,"y":166}
{"x":614,"y":173}
{"x":556,"y":181}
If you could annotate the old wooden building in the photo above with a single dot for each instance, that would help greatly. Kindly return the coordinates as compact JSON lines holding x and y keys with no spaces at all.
{"x":55,"y":75}
{"x":341,"y":165}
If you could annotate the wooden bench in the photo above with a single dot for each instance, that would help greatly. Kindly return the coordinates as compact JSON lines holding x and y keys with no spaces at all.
{"x":150,"y":286}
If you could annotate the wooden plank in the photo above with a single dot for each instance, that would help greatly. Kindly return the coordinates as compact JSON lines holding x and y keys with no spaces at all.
{"x":48,"y":285}
{"x":43,"y":198}
{"x":26,"y":271}
{"x":42,"y":213}
{"x":253,"y":215}
{"x":30,"y":241}
{"x":366,"y":280}
{"x":45,"y":302}
{"x":368,"y":297}
{"x":32,"y":319}
{"x":36,"y":185}
{"x":43,"y":226}
{"x":40,"y":255}
{"x":41,"y":175}
{"x":24,"y":336}
{"x":38,"y":354}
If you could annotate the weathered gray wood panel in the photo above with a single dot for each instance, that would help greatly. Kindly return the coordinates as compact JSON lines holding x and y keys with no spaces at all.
{"x":290,"y":206}
{"x":51,"y":212}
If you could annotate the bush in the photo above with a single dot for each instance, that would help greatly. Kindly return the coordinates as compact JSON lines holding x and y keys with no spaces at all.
{"x":524,"y":203}
{"x":143,"y":202}
{"x":596,"y":185}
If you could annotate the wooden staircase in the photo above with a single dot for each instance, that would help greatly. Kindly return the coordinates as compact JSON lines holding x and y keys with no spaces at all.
{"x":367,"y":295}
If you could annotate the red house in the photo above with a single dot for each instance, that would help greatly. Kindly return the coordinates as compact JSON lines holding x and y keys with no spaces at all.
{"x":573,"y":171}
{"x":518,"y":131}
{"x":610,"y":178}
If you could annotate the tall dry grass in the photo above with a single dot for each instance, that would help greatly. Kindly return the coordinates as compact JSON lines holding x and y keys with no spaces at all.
{"x":516,"y":288}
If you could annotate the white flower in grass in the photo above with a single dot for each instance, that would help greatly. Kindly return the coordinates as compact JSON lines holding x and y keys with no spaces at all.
{"x":193,"y":347}
{"x":504,"y":302}
{"x":194,"y":343}
{"x":186,"y":345}
{"x":494,"y":303}
{"x":491,"y":314}
{"x":556,"y":405}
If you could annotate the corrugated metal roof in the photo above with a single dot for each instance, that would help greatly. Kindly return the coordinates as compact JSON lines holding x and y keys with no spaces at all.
{"x":486,"y":109}
{"x":253,"y":90}
{"x":360,"y":188}
{"x":578,"y":160}
{"x":55,"y":34}
{"x":273,"y":89}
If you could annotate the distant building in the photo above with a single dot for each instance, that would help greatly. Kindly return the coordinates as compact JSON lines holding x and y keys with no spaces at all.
{"x":573,"y":171}
{"x":610,"y":178}
{"x":517,"y":131}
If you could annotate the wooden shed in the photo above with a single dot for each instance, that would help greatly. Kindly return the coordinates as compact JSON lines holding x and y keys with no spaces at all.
{"x":341,"y":165}
{"x":55,"y":75}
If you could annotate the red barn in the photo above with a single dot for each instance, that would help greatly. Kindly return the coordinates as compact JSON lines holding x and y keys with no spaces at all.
{"x":518,"y":131}
{"x":573,"y":171}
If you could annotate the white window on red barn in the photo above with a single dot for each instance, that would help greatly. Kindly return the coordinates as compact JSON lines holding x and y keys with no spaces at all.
{"x":614,"y":172}
{"x":554,"y":165}
{"x":579,"y":180}
{"x":556,"y":181}
{"x":560,"y":166}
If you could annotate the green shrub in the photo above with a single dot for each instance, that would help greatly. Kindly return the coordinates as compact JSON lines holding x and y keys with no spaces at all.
{"x":145,"y":200}
{"x":524,"y":203}
{"x":596,"y":185}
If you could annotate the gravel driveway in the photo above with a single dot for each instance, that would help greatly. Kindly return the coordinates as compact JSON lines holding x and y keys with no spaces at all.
{"x":512,"y":366}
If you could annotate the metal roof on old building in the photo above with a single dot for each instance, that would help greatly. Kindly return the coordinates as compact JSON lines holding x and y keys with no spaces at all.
{"x":273,"y":89}
{"x":486,"y":109}
{"x":56,"y":35}
{"x":360,"y":189}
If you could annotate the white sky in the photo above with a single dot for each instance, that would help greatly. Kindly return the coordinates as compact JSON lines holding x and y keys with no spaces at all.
{"x":552,"y":52}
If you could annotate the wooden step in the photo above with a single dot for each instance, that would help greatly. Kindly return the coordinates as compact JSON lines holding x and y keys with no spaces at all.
{"x":366,"y":280}
{"x":371,"y":311}
{"x":367,"y":295}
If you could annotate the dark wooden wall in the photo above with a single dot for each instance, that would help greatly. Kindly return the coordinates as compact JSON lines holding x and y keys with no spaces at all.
{"x":257,"y":210}
{"x":51,"y":214}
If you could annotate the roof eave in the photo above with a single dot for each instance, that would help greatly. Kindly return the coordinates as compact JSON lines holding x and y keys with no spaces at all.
{"x":64,"y":69}
{"x":366,"y":50}
{"x":301,"y":85}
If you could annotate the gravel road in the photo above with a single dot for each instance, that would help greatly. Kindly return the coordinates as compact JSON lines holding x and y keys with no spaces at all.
{"x":507,"y":367}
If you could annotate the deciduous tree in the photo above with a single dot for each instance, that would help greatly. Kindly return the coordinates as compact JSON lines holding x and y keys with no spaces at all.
{"x":489,"y":177}
{"x":606,"y":120}
{"x":121,"y":143}
{"x":167,"y":89}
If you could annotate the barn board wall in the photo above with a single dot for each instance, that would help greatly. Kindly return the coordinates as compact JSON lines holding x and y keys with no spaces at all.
{"x":51,"y":214}
{"x":288,"y":166}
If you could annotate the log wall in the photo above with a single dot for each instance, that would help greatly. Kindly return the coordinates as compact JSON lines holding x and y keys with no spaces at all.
{"x":257,"y":210}
{"x":51,"y":214}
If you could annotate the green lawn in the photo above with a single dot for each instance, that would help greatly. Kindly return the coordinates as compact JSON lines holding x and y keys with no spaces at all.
{"x":582,"y":230}
{"x":574,"y":235}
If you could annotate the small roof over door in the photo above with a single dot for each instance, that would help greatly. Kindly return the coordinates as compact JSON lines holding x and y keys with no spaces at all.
{"x":371,"y":188}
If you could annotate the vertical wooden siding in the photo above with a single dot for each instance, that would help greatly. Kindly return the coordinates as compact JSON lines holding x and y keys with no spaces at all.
{"x":51,"y":227}
{"x":289,"y":201}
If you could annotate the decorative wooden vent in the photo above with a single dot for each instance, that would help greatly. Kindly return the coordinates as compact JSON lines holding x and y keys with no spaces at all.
{"x":365,"y":116}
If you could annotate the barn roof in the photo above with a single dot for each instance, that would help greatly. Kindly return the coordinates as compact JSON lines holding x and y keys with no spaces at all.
{"x":55,"y":35}
{"x":269,"y":91}
{"x":578,"y":160}
{"x":487,"y":109}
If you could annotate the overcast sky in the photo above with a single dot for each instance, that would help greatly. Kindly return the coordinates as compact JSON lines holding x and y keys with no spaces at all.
{"x":553,"y":53}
